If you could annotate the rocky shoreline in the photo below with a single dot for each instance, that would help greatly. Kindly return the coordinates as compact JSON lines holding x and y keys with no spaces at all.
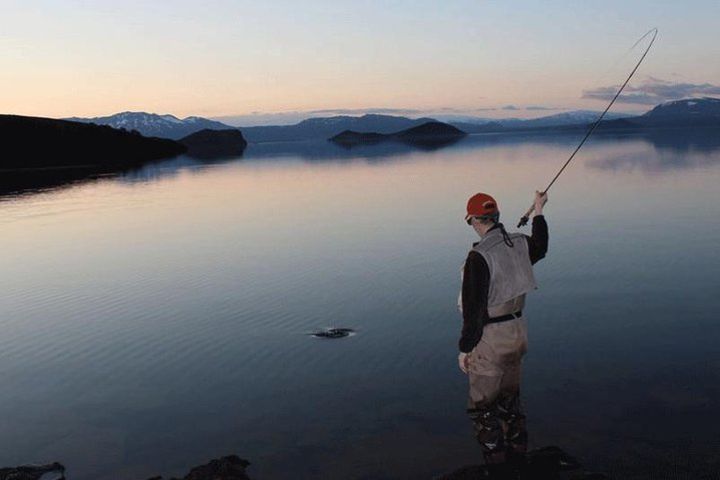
{"x":547,"y":463}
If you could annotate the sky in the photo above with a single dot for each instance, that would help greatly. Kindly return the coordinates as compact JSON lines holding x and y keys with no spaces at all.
{"x":276,"y":61}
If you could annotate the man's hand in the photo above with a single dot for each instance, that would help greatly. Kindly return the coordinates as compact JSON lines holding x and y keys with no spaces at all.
{"x":464,"y":362}
{"x":540,"y":201}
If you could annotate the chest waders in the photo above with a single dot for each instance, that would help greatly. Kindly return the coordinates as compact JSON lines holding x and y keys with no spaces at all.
{"x":495,"y":362}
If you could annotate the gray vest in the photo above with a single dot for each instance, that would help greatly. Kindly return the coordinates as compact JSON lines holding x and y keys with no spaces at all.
{"x":511,"y":272}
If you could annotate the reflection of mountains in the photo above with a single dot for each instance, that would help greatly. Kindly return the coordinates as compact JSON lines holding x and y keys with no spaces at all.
{"x":27,"y":182}
{"x":324,"y":151}
{"x":676,"y":149}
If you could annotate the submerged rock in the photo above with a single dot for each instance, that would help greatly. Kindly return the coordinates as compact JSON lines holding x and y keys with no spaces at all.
{"x":334,"y":333}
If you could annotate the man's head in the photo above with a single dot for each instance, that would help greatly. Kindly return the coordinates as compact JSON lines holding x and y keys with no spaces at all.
{"x":482,"y":212}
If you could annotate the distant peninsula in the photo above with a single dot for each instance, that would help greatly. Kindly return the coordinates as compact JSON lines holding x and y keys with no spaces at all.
{"x":428,"y":134}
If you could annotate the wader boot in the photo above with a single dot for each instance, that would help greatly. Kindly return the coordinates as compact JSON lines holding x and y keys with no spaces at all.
{"x":513,"y":418}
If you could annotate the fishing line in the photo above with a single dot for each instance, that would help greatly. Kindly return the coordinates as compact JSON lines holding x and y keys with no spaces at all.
{"x":524,"y":219}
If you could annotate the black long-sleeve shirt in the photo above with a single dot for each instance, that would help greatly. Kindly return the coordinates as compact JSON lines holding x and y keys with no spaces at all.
{"x":476,"y":284}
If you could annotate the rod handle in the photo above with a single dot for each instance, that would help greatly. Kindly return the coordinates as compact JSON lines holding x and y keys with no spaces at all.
{"x":525,"y":218}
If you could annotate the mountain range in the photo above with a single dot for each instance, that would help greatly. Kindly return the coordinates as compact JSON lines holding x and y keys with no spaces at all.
{"x":688,"y":112}
{"x":692,"y":111}
{"x":154,"y":125}
{"x":325,"y":127}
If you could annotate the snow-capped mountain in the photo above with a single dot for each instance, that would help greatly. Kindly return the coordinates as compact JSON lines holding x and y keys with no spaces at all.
{"x":575,"y":117}
{"x":564,"y":119}
{"x":688,"y":112}
{"x":705,"y":108}
{"x":154,"y":125}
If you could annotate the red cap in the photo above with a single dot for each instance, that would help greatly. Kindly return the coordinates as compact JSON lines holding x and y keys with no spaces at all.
{"x":480,"y":205}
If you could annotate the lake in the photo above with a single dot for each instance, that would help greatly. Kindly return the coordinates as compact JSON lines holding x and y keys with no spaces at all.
{"x":157,"y":319}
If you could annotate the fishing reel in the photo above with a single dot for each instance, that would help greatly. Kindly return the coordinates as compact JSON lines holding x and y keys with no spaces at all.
{"x":526,"y":218}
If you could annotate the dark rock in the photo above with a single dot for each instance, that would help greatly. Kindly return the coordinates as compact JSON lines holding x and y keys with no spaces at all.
{"x":31,"y":472}
{"x":230,"y":467}
{"x":547,"y":463}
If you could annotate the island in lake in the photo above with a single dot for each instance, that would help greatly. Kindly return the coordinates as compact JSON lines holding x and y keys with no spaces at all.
{"x":429,"y":134}
{"x":209,"y":143}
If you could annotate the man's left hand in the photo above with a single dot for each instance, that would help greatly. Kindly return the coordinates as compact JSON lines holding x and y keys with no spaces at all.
{"x":464,"y":362}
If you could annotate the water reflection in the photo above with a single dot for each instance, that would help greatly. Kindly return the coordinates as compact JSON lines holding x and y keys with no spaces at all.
{"x":681,"y":140}
{"x":40,"y":180}
{"x":659,"y":163}
{"x":675,"y":149}
{"x":173,"y":303}
{"x":27,"y":182}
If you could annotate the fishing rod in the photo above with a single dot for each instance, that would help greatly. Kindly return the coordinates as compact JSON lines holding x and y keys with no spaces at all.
{"x":524,"y":219}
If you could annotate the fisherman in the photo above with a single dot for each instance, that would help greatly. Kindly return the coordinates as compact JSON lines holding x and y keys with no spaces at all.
{"x":497,"y":274}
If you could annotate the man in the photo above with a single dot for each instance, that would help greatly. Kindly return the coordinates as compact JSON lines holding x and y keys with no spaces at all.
{"x":497,"y":274}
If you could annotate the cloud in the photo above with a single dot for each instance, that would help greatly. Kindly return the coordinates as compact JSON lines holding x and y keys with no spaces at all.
{"x":541,"y":108}
{"x":512,"y":108}
{"x":478,"y":109}
{"x":290,"y":117}
{"x":653,"y":91}
{"x":362,"y":111}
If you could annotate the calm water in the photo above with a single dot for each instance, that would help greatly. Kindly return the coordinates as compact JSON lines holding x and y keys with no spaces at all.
{"x":157,"y":320}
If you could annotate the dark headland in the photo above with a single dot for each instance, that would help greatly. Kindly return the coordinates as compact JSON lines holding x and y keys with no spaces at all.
{"x":35,"y":142}
{"x":40,"y":153}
